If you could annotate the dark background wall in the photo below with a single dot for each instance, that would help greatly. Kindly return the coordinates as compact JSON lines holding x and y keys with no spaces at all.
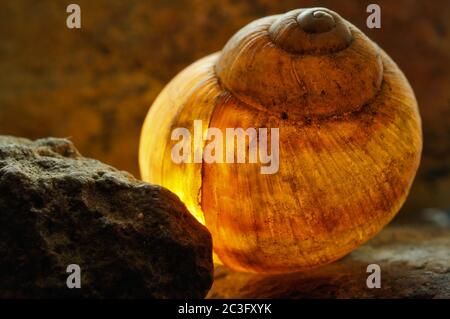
{"x":96,"y":84}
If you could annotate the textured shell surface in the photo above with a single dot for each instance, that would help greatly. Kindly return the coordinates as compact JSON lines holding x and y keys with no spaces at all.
{"x":350,"y":141}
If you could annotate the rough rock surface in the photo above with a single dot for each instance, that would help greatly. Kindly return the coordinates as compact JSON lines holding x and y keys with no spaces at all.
{"x":131,"y":239}
{"x":97,"y":83}
{"x":414,"y":260}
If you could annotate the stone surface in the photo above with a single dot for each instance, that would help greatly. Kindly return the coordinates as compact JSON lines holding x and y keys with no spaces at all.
{"x":414,"y":260}
{"x":131,"y":239}
{"x":97,"y":83}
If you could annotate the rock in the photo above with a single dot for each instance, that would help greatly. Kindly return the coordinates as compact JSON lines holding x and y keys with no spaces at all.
{"x":414,"y":260}
{"x":130,"y":239}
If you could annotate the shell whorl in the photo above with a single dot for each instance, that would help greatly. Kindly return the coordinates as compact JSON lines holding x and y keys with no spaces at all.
{"x":306,"y":63}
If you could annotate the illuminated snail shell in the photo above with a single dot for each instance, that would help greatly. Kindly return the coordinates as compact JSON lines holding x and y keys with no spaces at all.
{"x":349,"y":137}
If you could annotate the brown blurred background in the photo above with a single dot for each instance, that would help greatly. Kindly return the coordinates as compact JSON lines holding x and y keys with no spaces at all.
{"x":96,"y":84}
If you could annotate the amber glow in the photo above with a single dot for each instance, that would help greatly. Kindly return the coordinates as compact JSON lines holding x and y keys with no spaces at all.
{"x":350,"y":143}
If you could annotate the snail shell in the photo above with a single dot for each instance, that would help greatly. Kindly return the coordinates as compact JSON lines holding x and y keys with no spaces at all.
{"x":350,"y":141}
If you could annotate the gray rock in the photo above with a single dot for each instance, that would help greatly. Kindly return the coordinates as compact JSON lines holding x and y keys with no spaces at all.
{"x":414,"y":259}
{"x":130,"y":239}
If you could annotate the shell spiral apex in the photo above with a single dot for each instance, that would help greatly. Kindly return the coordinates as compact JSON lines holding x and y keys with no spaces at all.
{"x":304,"y":61}
{"x":350,"y":141}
